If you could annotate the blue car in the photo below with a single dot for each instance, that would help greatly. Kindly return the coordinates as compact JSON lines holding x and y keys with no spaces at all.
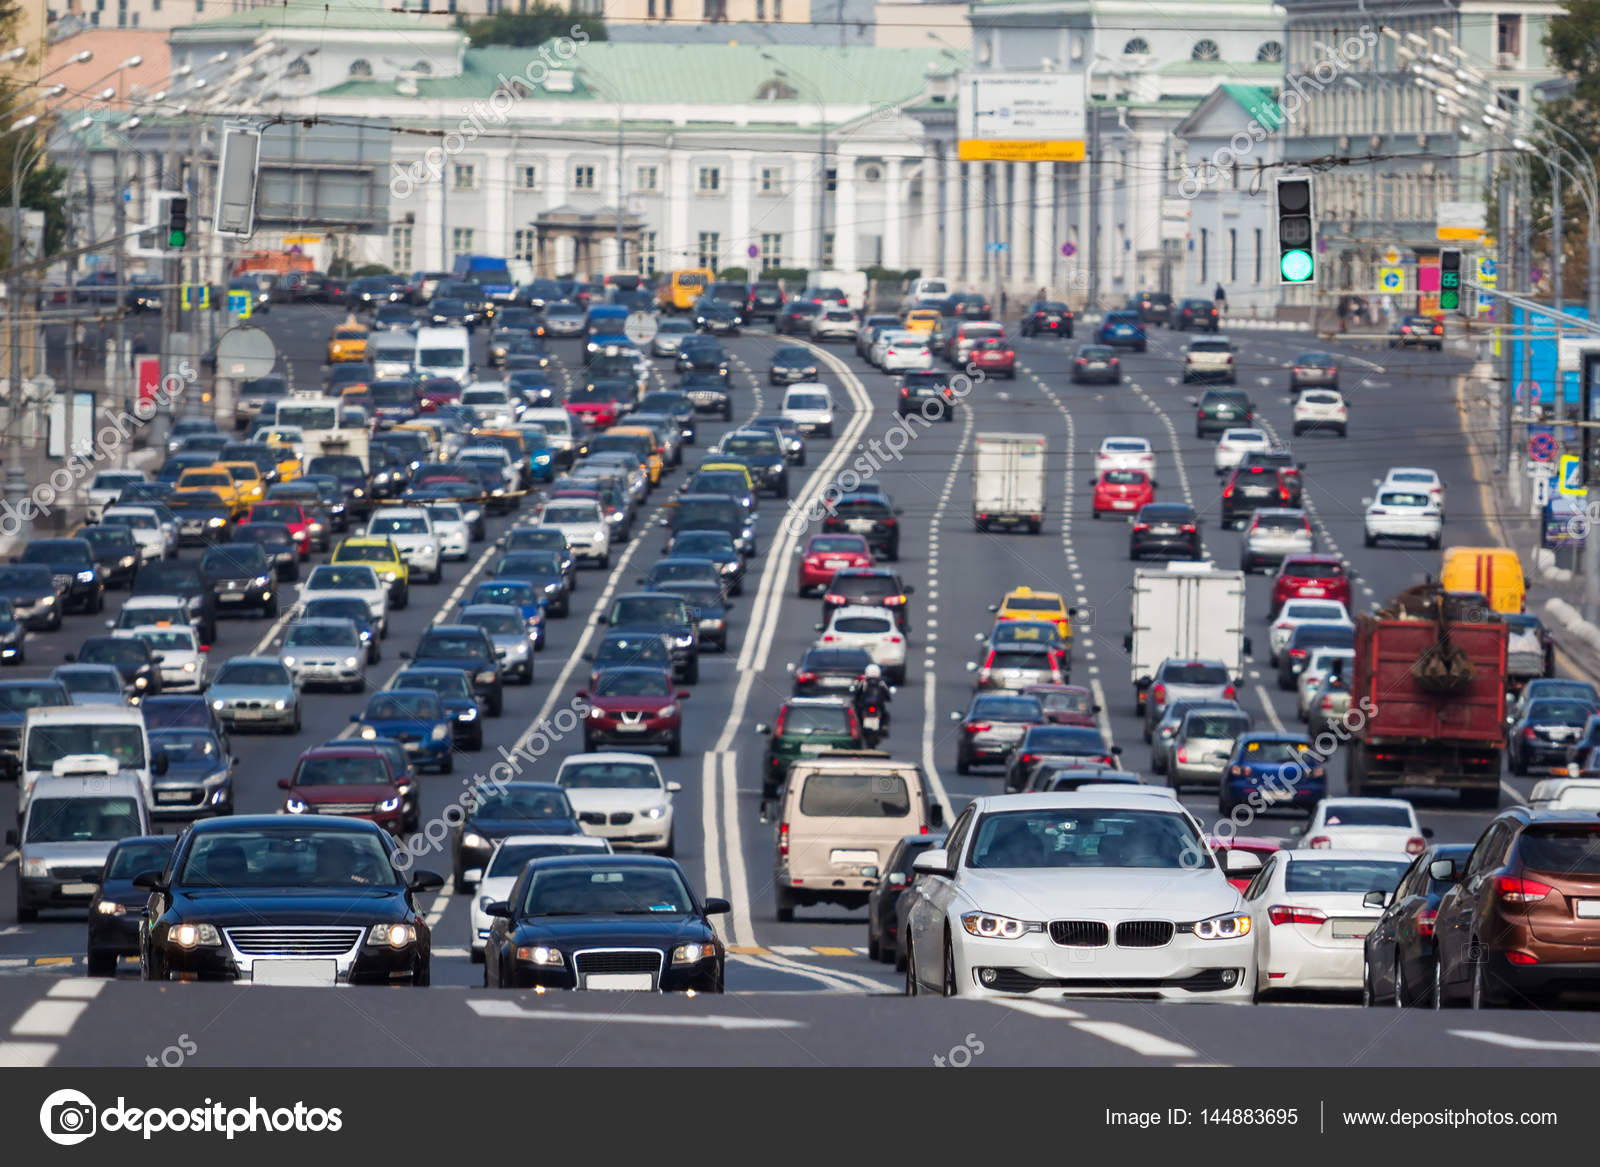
{"x":1271,"y":770}
{"x":518,"y":594}
{"x":541,"y":569}
{"x":541,"y":457}
{"x":1122,"y":329}
{"x":415,"y":718}
{"x":199,"y":777}
{"x":453,"y":687}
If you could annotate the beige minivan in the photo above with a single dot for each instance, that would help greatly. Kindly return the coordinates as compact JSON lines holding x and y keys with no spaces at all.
{"x":842,"y":812}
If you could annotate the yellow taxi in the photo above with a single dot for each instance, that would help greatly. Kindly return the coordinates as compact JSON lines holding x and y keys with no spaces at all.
{"x":749,"y":482}
{"x":287,"y":444}
{"x":922,"y":321}
{"x":648,"y":443}
{"x":247,"y":480}
{"x":379,"y":553}
{"x":348,"y":343}
{"x":214,"y":478}
{"x":1027,"y":604}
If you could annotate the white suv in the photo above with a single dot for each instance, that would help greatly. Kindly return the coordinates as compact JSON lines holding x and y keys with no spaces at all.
{"x":810,"y":406}
{"x":1209,"y":359}
{"x":411,"y":530}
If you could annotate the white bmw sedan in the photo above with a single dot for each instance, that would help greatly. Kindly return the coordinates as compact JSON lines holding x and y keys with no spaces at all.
{"x":1098,"y":891}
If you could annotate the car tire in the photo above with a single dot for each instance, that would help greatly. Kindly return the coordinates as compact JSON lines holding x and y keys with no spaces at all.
{"x":497,"y":706}
{"x":675,"y":745}
{"x":691,"y":675}
{"x":1484,"y":994}
{"x":1367,"y":539}
{"x":448,"y":766}
{"x":963,"y":763}
{"x":784,"y":906}
{"x":1402,"y":991}
{"x":948,"y":987}
{"x":1369,"y":996}
{"x":604,"y":562}
{"x":100,"y":964}
{"x":26,"y":915}
{"x":1440,"y":997}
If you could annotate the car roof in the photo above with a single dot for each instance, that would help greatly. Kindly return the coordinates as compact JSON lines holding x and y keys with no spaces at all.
{"x":1352,"y":854}
{"x":608,"y":756}
{"x":258,"y":822}
{"x":1106,"y":796}
{"x":96,"y":785}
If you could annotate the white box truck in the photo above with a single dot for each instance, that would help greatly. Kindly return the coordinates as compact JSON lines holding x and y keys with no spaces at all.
{"x":1008,"y":481}
{"x":1185,"y":610}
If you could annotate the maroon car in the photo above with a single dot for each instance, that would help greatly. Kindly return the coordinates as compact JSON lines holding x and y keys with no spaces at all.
{"x":349,"y":780}
{"x":1065,"y":704}
{"x":995,"y":357}
{"x":636,"y":705}
{"x":437,"y":391}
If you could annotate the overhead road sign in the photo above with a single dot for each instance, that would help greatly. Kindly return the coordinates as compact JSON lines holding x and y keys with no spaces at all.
{"x":1020,"y":117}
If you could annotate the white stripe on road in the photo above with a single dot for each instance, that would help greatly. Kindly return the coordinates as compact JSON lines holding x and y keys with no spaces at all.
{"x":49,"y":1019}
{"x":76,"y":990}
{"x":26,"y":1054}
{"x":502,"y":1010}
{"x":1037,"y":1009}
{"x":1266,"y":703}
{"x":1516,"y":1041}
{"x":1140,"y":1042}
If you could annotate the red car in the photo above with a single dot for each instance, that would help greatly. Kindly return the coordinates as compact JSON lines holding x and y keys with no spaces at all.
{"x":634,"y":704}
{"x":594,"y":407}
{"x":1310,"y":577}
{"x":994,"y":357}
{"x":1255,"y":845}
{"x":289,"y":514}
{"x":352,"y":781}
{"x":1065,"y":704}
{"x":437,"y":391}
{"x":1119,"y":492}
{"x":826,"y":554}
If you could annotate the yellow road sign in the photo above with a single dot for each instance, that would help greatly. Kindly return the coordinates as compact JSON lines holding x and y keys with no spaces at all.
{"x":975,"y":150}
{"x":1392,"y":279}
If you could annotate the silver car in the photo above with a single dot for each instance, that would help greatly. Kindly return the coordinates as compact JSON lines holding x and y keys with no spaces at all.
{"x":511,"y":635}
{"x":1199,"y":753}
{"x":1166,"y":730}
{"x":1322,"y":662}
{"x":1178,"y":678}
{"x":1015,"y":667}
{"x":256,"y":692}
{"x":670,"y":334}
{"x":835,"y":324}
{"x":326,"y":652}
{"x":1272,"y":533}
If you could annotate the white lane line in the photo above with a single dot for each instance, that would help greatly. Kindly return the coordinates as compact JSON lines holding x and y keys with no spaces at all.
{"x":1104,"y":715}
{"x":715,"y":888}
{"x":26,"y":1054}
{"x":49,"y":1019}
{"x":1516,"y":1041}
{"x":1037,"y":1008}
{"x":441,"y":902}
{"x":76,"y":990}
{"x":1140,"y":1042}
{"x":1272,"y":714}
{"x":833,"y":977}
{"x":930,"y":681}
{"x":502,"y":1010}
{"x":725,"y":794}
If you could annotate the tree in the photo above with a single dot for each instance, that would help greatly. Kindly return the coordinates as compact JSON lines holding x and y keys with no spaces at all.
{"x":541,"y":23}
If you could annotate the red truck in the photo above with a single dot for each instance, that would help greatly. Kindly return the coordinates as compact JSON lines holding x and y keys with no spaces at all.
{"x":1420,"y":735}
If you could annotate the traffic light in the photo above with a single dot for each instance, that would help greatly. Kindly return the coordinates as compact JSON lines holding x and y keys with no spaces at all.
{"x":1450,"y":279}
{"x":177,"y":223}
{"x":1296,"y":232}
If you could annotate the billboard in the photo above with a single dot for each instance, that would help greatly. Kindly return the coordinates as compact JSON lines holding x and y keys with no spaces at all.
{"x":1020,"y":117}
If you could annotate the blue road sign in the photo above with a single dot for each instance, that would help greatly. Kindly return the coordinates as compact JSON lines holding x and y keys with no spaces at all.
{"x":1542,"y":447}
{"x":1571,"y":474}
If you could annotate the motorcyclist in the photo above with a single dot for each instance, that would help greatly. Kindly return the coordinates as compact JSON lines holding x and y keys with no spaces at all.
{"x":872,"y":696}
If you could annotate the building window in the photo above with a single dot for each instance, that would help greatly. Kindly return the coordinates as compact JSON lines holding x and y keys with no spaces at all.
{"x":710,"y":246}
{"x":761,"y":9}
{"x":715,"y":11}
{"x":527,"y":178}
{"x":1508,"y":99}
{"x":650,"y":10}
{"x":872,"y":174}
{"x":523,"y":243}
{"x":771,"y":252}
{"x":832,"y":177}
{"x":358,"y":68}
{"x":466,"y":176}
{"x":1205,"y":49}
{"x":583,"y":178}
{"x":1137,"y":47}
{"x":1205,"y":258}
{"x":400,"y":247}
{"x":646,"y":178}
{"x":772,"y":180}
{"x":666,"y":10}
{"x":1270,"y":53}
{"x":710,"y":179}
{"x":647,"y":252}
{"x":1508,"y":37}
{"x":1258,"y":255}
{"x":827,"y":249}
{"x":777,"y":9}
{"x":461,"y":240}
{"x":1233,"y":255}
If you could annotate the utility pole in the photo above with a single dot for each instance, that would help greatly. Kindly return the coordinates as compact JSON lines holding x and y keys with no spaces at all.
{"x":1503,"y":322}
{"x":16,"y":473}
{"x":1092,"y":301}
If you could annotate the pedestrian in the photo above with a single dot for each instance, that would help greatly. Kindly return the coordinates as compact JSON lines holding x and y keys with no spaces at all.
{"x":1220,"y":297}
{"x":1388,"y":310}
{"x":1002,"y":303}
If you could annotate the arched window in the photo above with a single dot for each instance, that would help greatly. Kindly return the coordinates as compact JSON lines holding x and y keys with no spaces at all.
{"x":1137,"y":47}
{"x":299,"y":67}
{"x":360,"y":68}
{"x":1271,"y":52}
{"x":775,"y":90}
{"x":1206,"y":50}
{"x":422,"y":67}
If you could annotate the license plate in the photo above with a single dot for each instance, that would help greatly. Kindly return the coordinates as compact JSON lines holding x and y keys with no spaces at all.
{"x":1224,"y":413}
{"x":835,"y":682}
{"x":249,"y":714}
{"x":1163,"y":530}
{"x":1276,"y":795}
{"x":841,"y":856}
{"x":1122,"y":506}
{"x":231,"y":596}
{"x":859,"y":524}
{"x":78,"y":889}
{"x":636,"y":982}
{"x":869,"y":722}
{"x":1313,"y":591}
{"x":836,"y":563}
{"x":294,"y":972}
{"x":625,"y":728}
{"x":1589,"y":909}
{"x":814,"y":747}
{"x":172,"y":796}
{"x":1351,"y":929}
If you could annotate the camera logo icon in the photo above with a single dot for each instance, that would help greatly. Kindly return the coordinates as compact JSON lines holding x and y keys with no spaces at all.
{"x":67,"y":1117}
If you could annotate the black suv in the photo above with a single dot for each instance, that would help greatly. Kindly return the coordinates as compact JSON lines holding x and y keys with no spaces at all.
{"x":352,"y":477}
{"x":183,"y":579}
{"x":116,"y":553}
{"x":1167,"y":529}
{"x":713,"y":512}
{"x":239,"y":576}
{"x":871,"y":516}
{"x":874,"y":587}
{"x":765,"y":300}
{"x":707,"y":391}
{"x":763,"y":453}
{"x":661,"y":614}
{"x":35,"y":596}
{"x":1153,"y":307}
{"x":468,"y":648}
{"x":72,"y":566}
{"x":1289,"y":470}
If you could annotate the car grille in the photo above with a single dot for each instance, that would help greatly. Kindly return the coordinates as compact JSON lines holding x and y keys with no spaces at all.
{"x":593,"y":817}
{"x":247,"y":703}
{"x":294,"y":941}
{"x":621,"y":818}
{"x":1080,"y":933}
{"x":178,"y":797}
{"x":624,"y":960}
{"x":1144,"y":933}
{"x":61,"y":581}
{"x":1210,"y":980}
{"x":76,"y":874}
{"x":345,"y":808}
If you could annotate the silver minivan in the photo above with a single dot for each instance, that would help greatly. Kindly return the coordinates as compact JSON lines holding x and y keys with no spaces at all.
{"x":69,"y":828}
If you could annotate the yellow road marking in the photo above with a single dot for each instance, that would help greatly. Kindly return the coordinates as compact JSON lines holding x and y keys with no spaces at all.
{"x":746,"y":950}
{"x":823,"y":951}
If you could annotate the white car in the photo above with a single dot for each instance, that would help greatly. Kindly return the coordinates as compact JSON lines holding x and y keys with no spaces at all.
{"x":498,"y":457}
{"x":1321,"y":409}
{"x":810,"y":405}
{"x":1297,"y":612}
{"x":670,"y":333}
{"x":492,"y":404}
{"x":1209,"y":359}
{"x":557,"y":426}
{"x":145,"y":524}
{"x":349,"y":579}
{"x":906,"y":351}
{"x":1318,"y":665}
{"x":584,"y":524}
{"x":1565,"y":794}
{"x":835,"y":324}
{"x":1366,"y":824}
{"x":1120,"y":453}
{"x":1080,"y":893}
{"x":511,"y":854}
{"x":621,"y":798}
{"x":871,"y":629}
{"x":1403,"y":511}
{"x":411,"y":530}
{"x":1311,"y":912}
{"x":1235,"y":444}
{"x":107,"y":487}
{"x":450,"y":526}
{"x":325,"y":652}
{"x":183,"y":661}
{"x":1414,"y":478}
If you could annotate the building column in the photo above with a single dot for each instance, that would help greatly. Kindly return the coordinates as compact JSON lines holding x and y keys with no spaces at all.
{"x":1044,"y":228}
{"x":894,"y":214}
{"x":846,"y":235}
{"x":431,"y":236}
{"x":741,"y":193}
{"x":805,"y":181}
{"x":676,"y":251}
{"x":496,"y":180}
{"x":972,"y":217}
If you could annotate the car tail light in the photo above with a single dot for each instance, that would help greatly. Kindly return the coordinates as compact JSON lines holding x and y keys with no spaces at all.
{"x":1528,"y":733}
{"x":1520,"y":890}
{"x":1286,"y":914}
{"x":1104,"y":759}
{"x":893,"y":601}
{"x":1320,"y":843}
{"x":1200,"y":413}
{"x":1028,"y":759}
{"x":1227,"y":492}
{"x":1228,"y":693}
{"x":1159,"y":693}
{"x":828,"y":639}
{"x":1326,"y":704}
{"x":1297,"y":653}
{"x":1141,"y":526}
{"x":1415,"y":845}
{"x":1183,"y":754}
{"x":1521,"y":958}
{"x":1188,"y":528}
{"x":1081,"y":361}
{"x":805,"y":678}
{"x":1425,"y":921}
{"x":894,"y":640}
{"x":833,"y":598}
{"x":783,"y":838}
{"x":907,"y":393}
{"x":977,"y":727}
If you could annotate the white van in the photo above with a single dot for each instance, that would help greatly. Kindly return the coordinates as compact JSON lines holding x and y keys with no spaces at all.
{"x":66,"y":833}
{"x":557,"y":425}
{"x":444,"y":352}
{"x":926,"y":288}
{"x":391,"y":355}
{"x":84,"y":740}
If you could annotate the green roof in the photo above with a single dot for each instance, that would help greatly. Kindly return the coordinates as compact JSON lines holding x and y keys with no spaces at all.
{"x":689,"y":74}
{"x":1260,"y":102}
{"x":1254,"y":69}
{"x":348,"y":14}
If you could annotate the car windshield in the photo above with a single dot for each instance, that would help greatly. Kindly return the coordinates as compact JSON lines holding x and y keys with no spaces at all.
{"x":404,"y":707}
{"x":108,"y":651}
{"x":450,"y":644}
{"x":571,"y":514}
{"x":633,"y":683}
{"x":1195,"y":674}
{"x":349,"y":770}
{"x":750,"y":445}
{"x":1020,"y":658}
{"x":1217,"y":726}
{"x":1275,"y":753}
{"x":168,"y":641}
{"x":835,"y":795}
{"x":801,"y":720}
{"x":1563,"y":850}
{"x":131,"y":859}
{"x":329,"y":634}
{"x":233,"y":559}
{"x":1357,"y":876}
{"x":187,"y":747}
{"x":1065,"y":740}
{"x":404,"y":525}
{"x":288,"y":857}
{"x":610,"y":890}
{"x":1355,"y":814}
{"x":648,"y":610}
{"x":1007,"y":708}
{"x":253,"y":673}
{"x":335,"y":578}
{"x":1314,"y":635}
{"x":366,"y":553}
{"x":807,"y":401}
{"x":632,"y":648}
{"x":87,"y":680}
{"x":510,"y":858}
{"x":446,"y":684}
{"x":609,"y":776}
{"x":1313,"y":569}
{"x":48,"y":744}
{"x":1088,"y":838}
{"x":864,"y":625}
{"x":87,"y":819}
{"x":19,"y":698}
{"x":1562,"y":712}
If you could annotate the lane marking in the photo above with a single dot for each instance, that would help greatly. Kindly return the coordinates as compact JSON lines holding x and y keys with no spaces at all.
{"x":26,"y":1054}
{"x":511,"y":1011}
{"x":1272,"y":713}
{"x":49,"y":1019}
{"x":76,"y":990}
{"x":1516,"y":1041}
{"x":1140,"y":1042}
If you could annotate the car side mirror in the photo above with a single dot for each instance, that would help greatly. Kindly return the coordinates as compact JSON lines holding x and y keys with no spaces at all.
{"x":426,"y":881}
{"x":896,"y":879}
{"x":111,"y":624}
{"x":1116,"y":751}
{"x":1375,"y":899}
{"x":763,"y":727}
{"x":910,"y":589}
{"x":11,"y":838}
{"x":789,"y":667}
{"x":1191,"y":401}
{"x":934,"y":862}
{"x":497,"y":908}
{"x":972,"y":666}
{"x":602,"y":618}
{"x":405,"y":654}
{"x":284,"y":784}
{"x":357,"y":716}
{"x":1427,"y":832}
{"x":994,"y":607}
{"x":1443,"y":871}
{"x":716,"y":906}
{"x":1235,"y":862}
{"x":819,"y":627}
{"x":674,"y":787}
{"x":70,"y":657}
{"x":978,"y":636}
{"x":956,"y":715}
{"x":144,"y":881}
{"x":159,"y":764}
{"x":936,"y":815}
{"x":1094,"y":709}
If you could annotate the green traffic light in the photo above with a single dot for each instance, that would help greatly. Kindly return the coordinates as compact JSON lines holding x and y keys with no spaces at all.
{"x":1449,"y":301}
{"x":1296,"y":266}
{"x":177,"y":238}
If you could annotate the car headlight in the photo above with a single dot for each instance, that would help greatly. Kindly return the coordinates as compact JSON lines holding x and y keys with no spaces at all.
{"x":387,"y":576}
{"x":657,"y":812}
{"x":440,"y":732}
{"x":474,"y":841}
{"x":539,"y":954}
{"x":486,"y":677}
{"x":35,"y":868}
{"x":368,"y":733}
{"x":469,"y":714}
{"x":125,"y":561}
{"x":216,"y":521}
{"x":392,"y":935}
{"x":194,"y":936}
{"x":992,"y":927}
{"x":189,"y":666}
{"x":86,"y":577}
{"x":140,"y":682}
{"x":350,"y":662}
{"x":219,"y":706}
{"x":109,"y":908}
{"x":389,"y":804}
{"x":693,"y":953}
{"x":288,"y":662}
{"x":280,"y":706}
{"x":260,"y":581}
{"x":1232,"y":926}
{"x":46,"y":601}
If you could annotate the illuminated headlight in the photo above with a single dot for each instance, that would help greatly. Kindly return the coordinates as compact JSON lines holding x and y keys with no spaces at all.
{"x":300,"y":536}
{"x":551,"y":589}
{"x":260,"y":581}
{"x":667,"y":711}
{"x":349,"y":662}
{"x":216,"y":521}
{"x":541,"y":459}
{"x":389,"y":804}
{"x":280,"y":706}
{"x":486,"y":677}
{"x":194,"y":936}
{"x":288,"y":662}
{"x":125,"y":561}
{"x":474,"y":841}
{"x":46,"y":601}
{"x":189,"y":666}
{"x":35,"y":868}
{"x":358,"y":493}
{"x":392,"y":935}
{"x":683,"y":641}
{"x":219,"y":706}
{"x":387,"y":576}
{"x":539,"y":954}
{"x":428,"y":549}
{"x":381,"y":478}
{"x":368,"y":733}
{"x":294,"y":806}
{"x":440,"y":732}
{"x":469,"y":714}
{"x":1229,"y":927}
{"x":140,"y":682}
{"x":86,"y":577}
{"x":693,"y":953}
{"x":992,"y":927}
{"x":656,"y":812}
{"x":109,"y":908}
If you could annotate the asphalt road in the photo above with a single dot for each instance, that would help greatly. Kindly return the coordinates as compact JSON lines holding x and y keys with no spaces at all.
{"x":1403,"y":411}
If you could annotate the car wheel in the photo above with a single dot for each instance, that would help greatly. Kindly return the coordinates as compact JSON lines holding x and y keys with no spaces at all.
{"x":675,"y":745}
{"x":448,"y":766}
{"x":605,"y":562}
{"x":1369,"y":996}
{"x":784,"y":906}
{"x":100,"y":964}
{"x":1367,"y":540}
{"x":477,"y":957}
{"x":26,"y":915}
{"x":874,"y":949}
{"x":949,"y":987}
{"x":909,"y":964}
{"x":691,"y":675}
{"x":1440,"y":998}
{"x":1485,"y":995}
{"x":963,"y":763}
{"x":1402,"y":991}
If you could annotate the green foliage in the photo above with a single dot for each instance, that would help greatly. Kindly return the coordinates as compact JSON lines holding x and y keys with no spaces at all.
{"x":541,"y":23}
{"x":734,"y":274}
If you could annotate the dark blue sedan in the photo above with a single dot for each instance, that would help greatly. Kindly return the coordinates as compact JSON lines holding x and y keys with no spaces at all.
{"x":454,"y":690}
{"x":415,"y":718}
{"x":1271,"y":770}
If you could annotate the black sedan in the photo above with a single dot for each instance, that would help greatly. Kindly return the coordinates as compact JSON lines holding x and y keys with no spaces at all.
{"x":1096,"y":362}
{"x":792,"y":363}
{"x":116,"y":554}
{"x":279,"y":898}
{"x":72,"y":567}
{"x":1168,"y":529}
{"x":795,"y":317}
{"x":35,"y":595}
{"x":873,"y":587}
{"x":1544,"y":732}
{"x":918,"y":388}
{"x":830,"y":672}
{"x":718,"y":316}
{"x":496,"y":811}
{"x":873,"y":517}
{"x":1399,"y":953}
{"x":136,"y":664}
{"x":883,"y":901}
{"x":1047,"y":318}
{"x":117,"y":906}
{"x":468,"y":648}
{"x":707,"y":391}
{"x":604,"y":922}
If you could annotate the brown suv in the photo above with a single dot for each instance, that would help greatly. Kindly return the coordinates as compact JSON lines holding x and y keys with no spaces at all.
{"x":1524,"y":920}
